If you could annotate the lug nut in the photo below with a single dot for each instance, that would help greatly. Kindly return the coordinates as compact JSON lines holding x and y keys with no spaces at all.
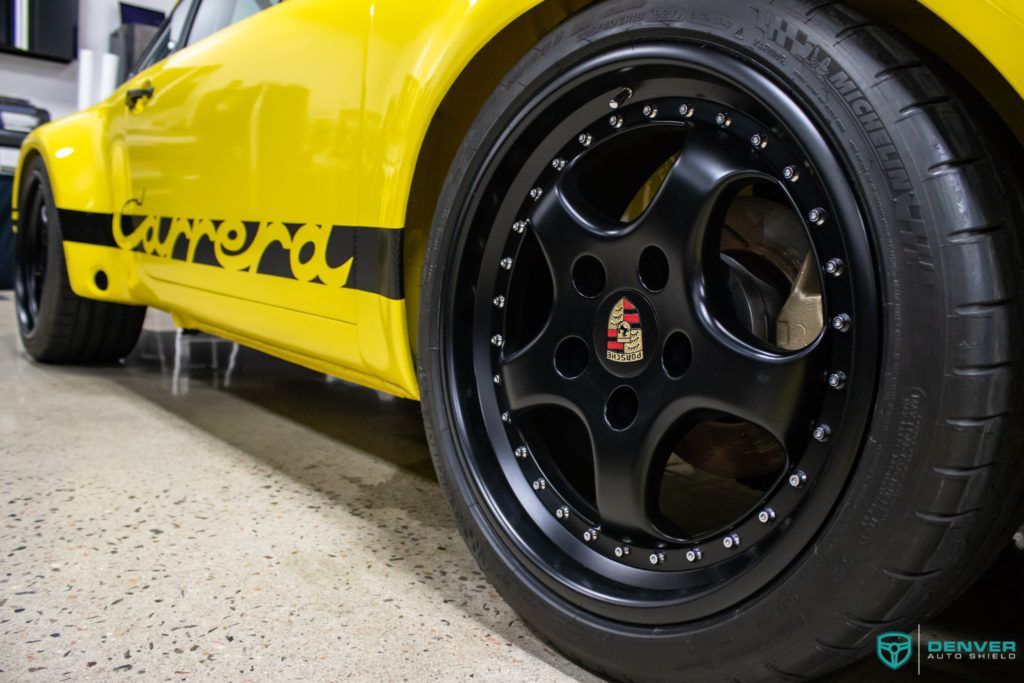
{"x":590,"y":535}
{"x":816,"y":216}
{"x":791,"y":173}
{"x":834,"y":267}
{"x":731,"y":541}
{"x":620,"y":98}
{"x":837,"y":379}
{"x":797,"y":479}
{"x":521,"y":452}
{"x":656,"y":558}
{"x":562,"y":513}
{"x":723,"y":120}
{"x":841,"y":323}
{"x":649,"y":111}
{"x":539,"y":484}
{"x":694,"y":555}
{"x":621,"y":551}
{"x":615,"y":121}
{"x":685,"y":110}
{"x":519,"y":226}
{"x":766,"y":515}
{"x":535,"y":193}
{"x":759,"y":140}
{"x":822,"y":433}
{"x":585,"y":139}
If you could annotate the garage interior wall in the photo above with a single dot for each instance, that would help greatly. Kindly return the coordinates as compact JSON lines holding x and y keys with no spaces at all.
{"x":52,"y":85}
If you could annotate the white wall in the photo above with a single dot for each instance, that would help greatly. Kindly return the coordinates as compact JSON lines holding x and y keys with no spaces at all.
{"x":52,"y":85}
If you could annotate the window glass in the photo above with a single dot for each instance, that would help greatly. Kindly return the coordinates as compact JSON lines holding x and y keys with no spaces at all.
{"x":213,"y":15}
{"x":169,"y":38}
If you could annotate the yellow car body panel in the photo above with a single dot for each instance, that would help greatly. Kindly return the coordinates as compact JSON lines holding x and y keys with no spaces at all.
{"x":261,"y":191}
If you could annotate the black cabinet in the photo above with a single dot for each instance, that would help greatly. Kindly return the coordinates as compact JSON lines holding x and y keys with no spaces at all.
{"x":40,"y":28}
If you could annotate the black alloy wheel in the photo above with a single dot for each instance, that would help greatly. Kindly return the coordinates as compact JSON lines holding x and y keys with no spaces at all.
{"x":31,"y":256}
{"x":713,"y":394}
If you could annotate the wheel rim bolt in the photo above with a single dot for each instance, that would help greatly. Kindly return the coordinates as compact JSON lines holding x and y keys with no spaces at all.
{"x":834,"y":267}
{"x":841,"y":323}
{"x":694,"y":555}
{"x":837,"y":380}
{"x":499,"y":301}
{"x":822,"y":433}
{"x":497,"y":379}
{"x":723,"y":120}
{"x":585,"y":139}
{"x":759,"y":140}
{"x":650,"y":112}
{"x":656,"y":558}
{"x":816,"y":216}
{"x":622,"y":551}
{"x":539,"y":484}
{"x":521,"y":452}
{"x":497,"y":340}
{"x":765,"y":516}
{"x":519,"y":227}
{"x":791,"y":173}
{"x":506,"y":263}
{"x":797,"y":479}
{"x":731,"y":541}
{"x":685,"y":110}
{"x":505,"y":417}
{"x":615,"y":121}
{"x":620,"y":98}
{"x":562,"y":513}
{"x":590,"y":535}
{"x":535,"y":193}
{"x":558,"y":164}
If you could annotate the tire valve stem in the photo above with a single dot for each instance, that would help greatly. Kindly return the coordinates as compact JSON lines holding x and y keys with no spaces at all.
{"x":535,"y":193}
{"x":822,"y":433}
{"x":506,"y":263}
{"x":731,"y":542}
{"x":499,"y":301}
{"x":519,"y":227}
{"x":722,"y":119}
{"x":797,"y":479}
{"x":837,"y":379}
{"x":766,"y":516}
{"x":590,"y":535}
{"x":834,"y":267}
{"x":791,"y":173}
{"x":621,"y":98}
{"x":521,"y":453}
{"x":539,"y":484}
{"x":615,"y":121}
{"x":562,"y":513}
{"x":694,"y":554}
{"x":759,"y":140}
{"x":686,"y":111}
{"x":841,"y":323}
{"x":650,"y":111}
{"x":558,"y":164}
{"x":622,"y":551}
{"x":816,"y":216}
{"x":585,"y":139}
{"x":656,"y":558}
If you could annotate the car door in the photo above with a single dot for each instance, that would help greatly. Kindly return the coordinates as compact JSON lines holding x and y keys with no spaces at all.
{"x":241,"y":148}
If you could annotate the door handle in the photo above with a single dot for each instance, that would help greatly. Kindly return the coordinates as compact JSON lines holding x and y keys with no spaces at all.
{"x":132,"y":97}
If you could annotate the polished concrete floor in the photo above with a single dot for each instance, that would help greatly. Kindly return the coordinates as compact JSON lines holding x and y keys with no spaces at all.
{"x":209,"y":513}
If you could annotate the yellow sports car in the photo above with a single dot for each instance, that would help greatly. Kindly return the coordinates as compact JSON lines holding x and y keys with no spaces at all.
{"x":714,"y":308}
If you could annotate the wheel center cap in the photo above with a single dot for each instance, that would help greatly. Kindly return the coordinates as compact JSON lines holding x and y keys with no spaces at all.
{"x":624,"y":333}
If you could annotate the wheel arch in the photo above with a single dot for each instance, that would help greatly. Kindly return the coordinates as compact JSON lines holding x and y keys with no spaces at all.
{"x":944,"y":28}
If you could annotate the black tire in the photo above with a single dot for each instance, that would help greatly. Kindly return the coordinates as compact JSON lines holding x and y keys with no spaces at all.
{"x":933,"y":487}
{"x":55,"y":324}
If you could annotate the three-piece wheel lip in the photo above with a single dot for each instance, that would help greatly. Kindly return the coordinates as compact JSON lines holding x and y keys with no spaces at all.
{"x":663,"y":602}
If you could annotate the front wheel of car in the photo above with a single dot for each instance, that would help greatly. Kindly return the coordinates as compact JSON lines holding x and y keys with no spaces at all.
{"x":720,"y":339}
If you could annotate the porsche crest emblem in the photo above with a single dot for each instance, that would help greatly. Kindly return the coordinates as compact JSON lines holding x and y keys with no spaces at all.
{"x":625,"y":336}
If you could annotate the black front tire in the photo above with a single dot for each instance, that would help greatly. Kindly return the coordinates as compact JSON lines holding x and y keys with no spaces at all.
{"x":55,"y":324}
{"x":935,"y":490}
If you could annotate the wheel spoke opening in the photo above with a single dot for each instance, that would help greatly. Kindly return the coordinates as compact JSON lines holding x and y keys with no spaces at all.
{"x":530,"y":299}
{"x":716,"y":475}
{"x":560,"y":443}
{"x":766,"y":284}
